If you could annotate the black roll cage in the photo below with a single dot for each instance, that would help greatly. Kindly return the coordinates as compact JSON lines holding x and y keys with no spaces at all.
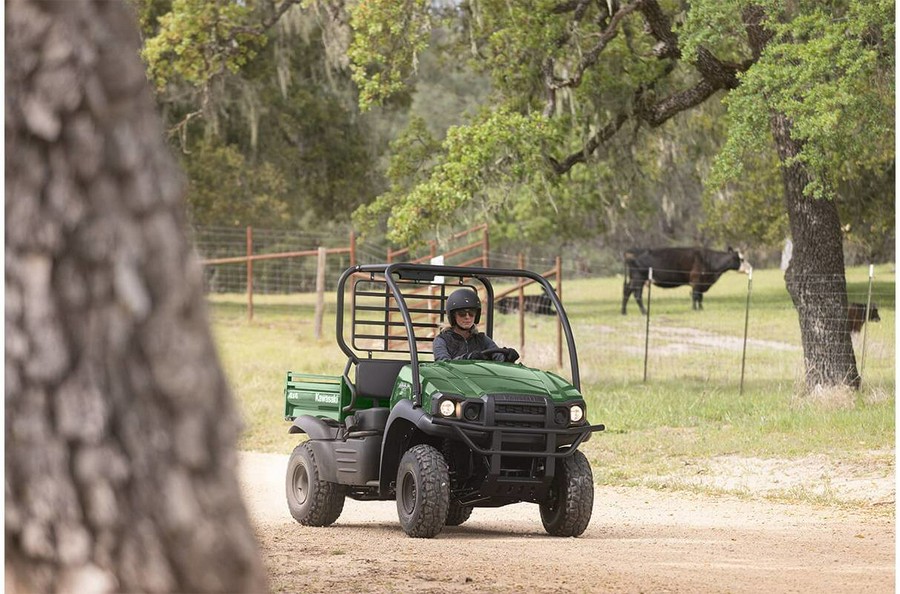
{"x":426,"y":273}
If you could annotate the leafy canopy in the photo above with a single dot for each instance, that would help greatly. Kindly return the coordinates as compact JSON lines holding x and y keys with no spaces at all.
{"x":198,"y":39}
{"x":580,"y":83}
{"x":829,"y":68}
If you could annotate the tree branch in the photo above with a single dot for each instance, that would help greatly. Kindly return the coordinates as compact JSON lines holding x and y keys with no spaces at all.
{"x":269,"y":22}
{"x":592,"y":144}
{"x":590,"y":59}
{"x":660,"y":28}
{"x":715,"y":74}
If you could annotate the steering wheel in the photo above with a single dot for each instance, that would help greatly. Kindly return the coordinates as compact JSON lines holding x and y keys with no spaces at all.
{"x":504,"y":351}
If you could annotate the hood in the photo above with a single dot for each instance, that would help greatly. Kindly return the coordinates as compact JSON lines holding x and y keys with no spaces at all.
{"x":474,"y":379}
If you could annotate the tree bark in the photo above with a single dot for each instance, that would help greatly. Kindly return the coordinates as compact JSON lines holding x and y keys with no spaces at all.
{"x":815,"y":276}
{"x":120,"y":427}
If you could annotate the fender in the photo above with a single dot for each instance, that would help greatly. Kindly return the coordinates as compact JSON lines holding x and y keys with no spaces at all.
{"x":315,"y":427}
{"x":343,"y":461}
{"x":404,"y":421}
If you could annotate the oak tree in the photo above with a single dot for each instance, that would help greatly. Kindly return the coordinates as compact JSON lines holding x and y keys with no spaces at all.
{"x":120,"y":428}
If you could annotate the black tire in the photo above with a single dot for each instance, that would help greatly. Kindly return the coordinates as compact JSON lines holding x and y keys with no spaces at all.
{"x":423,"y":491}
{"x":311,"y":500}
{"x":457,"y":514}
{"x":567,"y":510}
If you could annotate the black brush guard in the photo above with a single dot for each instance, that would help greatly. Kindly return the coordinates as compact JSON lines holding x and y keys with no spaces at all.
{"x":543,"y":444}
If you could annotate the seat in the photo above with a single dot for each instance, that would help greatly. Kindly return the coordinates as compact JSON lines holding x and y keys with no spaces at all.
{"x":375,"y":378}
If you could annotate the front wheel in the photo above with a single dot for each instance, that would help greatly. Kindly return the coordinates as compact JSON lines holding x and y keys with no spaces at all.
{"x":423,"y":491}
{"x":311,"y":500}
{"x":457,"y":514}
{"x":567,"y":510}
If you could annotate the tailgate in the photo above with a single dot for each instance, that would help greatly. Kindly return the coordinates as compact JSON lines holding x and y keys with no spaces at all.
{"x":316,"y":395}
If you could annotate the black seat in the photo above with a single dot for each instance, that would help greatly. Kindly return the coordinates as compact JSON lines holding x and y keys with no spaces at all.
{"x":375,"y":378}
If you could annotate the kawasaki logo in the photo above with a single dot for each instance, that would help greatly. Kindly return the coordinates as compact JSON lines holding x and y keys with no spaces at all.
{"x":326,"y":398}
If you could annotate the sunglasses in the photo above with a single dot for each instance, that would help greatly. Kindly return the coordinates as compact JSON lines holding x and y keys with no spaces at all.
{"x":469,"y":313}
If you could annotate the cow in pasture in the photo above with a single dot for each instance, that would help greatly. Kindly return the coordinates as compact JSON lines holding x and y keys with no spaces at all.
{"x":674,"y":267}
{"x":539,"y":304}
{"x":856,"y":315}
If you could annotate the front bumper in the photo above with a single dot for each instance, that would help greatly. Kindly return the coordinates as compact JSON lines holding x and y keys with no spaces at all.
{"x":499,"y":436}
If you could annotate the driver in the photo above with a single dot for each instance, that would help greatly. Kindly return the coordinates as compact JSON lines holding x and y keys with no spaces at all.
{"x":462,"y":340}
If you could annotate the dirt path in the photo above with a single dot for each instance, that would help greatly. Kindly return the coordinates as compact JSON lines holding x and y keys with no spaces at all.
{"x":639,"y":540}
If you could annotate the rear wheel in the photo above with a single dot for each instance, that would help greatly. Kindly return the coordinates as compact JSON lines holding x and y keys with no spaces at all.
{"x":423,"y":491}
{"x":567,"y":510}
{"x":457,"y":514}
{"x":311,"y":500}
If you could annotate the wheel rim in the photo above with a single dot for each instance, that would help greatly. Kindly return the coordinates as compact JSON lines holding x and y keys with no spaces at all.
{"x":301,"y":484}
{"x":408,"y":494}
{"x":553,"y":500}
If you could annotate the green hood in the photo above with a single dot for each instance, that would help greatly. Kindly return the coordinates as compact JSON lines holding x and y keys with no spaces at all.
{"x":474,"y":379}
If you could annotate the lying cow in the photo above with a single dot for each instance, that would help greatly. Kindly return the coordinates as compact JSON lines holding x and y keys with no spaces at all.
{"x":674,"y":267}
{"x":856,"y":315}
{"x":539,"y":304}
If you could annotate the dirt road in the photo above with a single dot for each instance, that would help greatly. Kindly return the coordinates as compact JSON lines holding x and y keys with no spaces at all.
{"x":639,"y":540}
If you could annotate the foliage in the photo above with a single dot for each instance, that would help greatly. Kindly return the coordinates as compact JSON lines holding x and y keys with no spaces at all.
{"x":225,"y":190}
{"x":829,"y":68}
{"x":749,"y":208}
{"x":258,"y":78}
{"x":387,"y":54}
{"x":586,"y":72}
{"x":547,"y":119}
{"x":502,"y":149}
{"x":198,"y":40}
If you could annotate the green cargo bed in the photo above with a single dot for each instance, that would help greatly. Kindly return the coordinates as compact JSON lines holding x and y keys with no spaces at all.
{"x":316,"y":395}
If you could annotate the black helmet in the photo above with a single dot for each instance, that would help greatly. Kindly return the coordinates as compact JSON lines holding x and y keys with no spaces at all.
{"x":463,"y":299}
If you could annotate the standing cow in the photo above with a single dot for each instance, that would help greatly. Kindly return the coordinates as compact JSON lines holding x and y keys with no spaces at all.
{"x":674,"y":267}
{"x":856,"y":315}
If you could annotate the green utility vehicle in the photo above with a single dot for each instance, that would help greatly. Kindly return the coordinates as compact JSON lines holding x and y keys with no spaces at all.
{"x":440,"y":437}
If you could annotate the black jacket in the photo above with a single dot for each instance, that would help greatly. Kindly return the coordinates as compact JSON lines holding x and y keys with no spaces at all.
{"x":450,"y":345}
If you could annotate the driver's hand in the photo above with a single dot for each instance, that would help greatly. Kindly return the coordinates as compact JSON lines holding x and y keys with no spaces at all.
{"x":475,"y":356}
{"x":511,"y":355}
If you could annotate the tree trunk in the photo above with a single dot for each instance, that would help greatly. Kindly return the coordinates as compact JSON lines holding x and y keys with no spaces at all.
{"x":120,"y":427}
{"x":815,"y":277}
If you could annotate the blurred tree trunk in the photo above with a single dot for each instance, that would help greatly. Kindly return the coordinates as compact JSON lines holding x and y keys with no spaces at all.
{"x":120,"y":427}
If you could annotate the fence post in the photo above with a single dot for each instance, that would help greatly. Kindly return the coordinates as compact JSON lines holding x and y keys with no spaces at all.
{"x":521,"y":306}
{"x":249,"y":273}
{"x":486,"y":248}
{"x":320,"y":292}
{"x":746,"y":326}
{"x":352,"y":248}
{"x":647,"y":328}
{"x":862,"y":363}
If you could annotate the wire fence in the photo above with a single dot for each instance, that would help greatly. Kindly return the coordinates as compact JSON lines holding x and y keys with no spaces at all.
{"x":298,"y":274}
{"x":270,"y":276}
{"x":748,"y":332}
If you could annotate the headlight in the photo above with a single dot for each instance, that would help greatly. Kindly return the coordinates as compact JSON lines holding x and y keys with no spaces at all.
{"x":576,"y":413}
{"x":447,"y":408}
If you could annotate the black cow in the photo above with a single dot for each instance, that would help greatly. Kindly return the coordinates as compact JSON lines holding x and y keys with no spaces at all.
{"x":856,"y":315}
{"x":539,"y":304}
{"x":674,"y":267}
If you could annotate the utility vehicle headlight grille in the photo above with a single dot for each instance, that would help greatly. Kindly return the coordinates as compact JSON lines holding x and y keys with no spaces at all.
{"x":520,"y":414}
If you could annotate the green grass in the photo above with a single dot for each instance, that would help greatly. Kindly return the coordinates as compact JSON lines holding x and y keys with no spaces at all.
{"x":689,"y":408}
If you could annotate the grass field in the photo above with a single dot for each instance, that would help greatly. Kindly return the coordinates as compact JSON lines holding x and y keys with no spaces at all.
{"x":691,"y":406}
